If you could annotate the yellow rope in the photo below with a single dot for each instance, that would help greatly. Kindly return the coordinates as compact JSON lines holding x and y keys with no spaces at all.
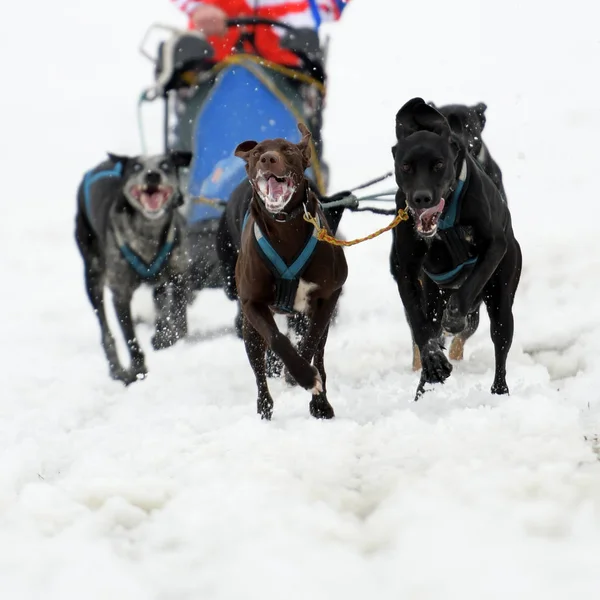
{"x":323,"y":236}
{"x":209,"y":201}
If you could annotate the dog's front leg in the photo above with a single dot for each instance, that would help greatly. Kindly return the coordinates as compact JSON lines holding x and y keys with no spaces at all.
{"x":95,"y":289}
{"x":122,"y":304}
{"x":464,"y":299}
{"x":170,"y":301}
{"x":313,"y":345}
{"x":435,"y":367}
{"x":260,"y":317}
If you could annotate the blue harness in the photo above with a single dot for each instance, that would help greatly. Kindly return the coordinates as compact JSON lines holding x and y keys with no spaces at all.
{"x":145,"y":271}
{"x":451,"y":236}
{"x":287,"y":276}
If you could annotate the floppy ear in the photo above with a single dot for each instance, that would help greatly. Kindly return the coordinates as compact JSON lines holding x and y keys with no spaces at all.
{"x":180,"y":158}
{"x":480,"y":110}
{"x":243,"y":150}
{"x":394,"y":147}
{"x":304,"y":145}
{"x":118,"y":159}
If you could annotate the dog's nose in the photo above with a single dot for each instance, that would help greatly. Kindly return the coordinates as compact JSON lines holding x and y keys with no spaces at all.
{"x":423,"y":199}
{"x":270,"y":158}
{"x":152,"y":177}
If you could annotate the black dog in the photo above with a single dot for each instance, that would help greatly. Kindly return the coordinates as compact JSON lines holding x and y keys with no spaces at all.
{"x":458,"y":240}
{"x":129,"y":232}
{"x":468,"y":123}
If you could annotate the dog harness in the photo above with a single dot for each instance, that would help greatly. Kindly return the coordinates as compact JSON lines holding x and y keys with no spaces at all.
{"x":453,"y":236}
{"x":145,"y":271}
{"x":287,"y":277}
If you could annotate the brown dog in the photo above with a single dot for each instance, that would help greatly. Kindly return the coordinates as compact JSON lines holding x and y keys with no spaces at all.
{"x":282,"y":267}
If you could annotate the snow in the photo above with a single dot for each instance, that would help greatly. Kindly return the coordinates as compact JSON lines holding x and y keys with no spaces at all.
{"x":173,"y":489}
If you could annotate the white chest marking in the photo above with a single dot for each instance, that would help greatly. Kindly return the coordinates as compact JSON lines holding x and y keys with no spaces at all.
{"x":305,"y":288}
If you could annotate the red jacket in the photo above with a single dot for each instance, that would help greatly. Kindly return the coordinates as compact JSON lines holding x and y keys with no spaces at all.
{"x":297,"y":13}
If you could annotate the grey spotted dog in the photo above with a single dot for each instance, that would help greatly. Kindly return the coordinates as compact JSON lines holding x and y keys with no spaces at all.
{"x":129,"y":232}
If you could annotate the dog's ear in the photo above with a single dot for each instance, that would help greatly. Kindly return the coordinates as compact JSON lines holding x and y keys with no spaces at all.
{"x":181,"y":158}
{"x":429,"y":118}
{"x":243,"y":150}
{"x":480,"y":111}
{"x":394,"y":148}
{"x":415,"y":115}
{"x":405,"y":121}
{"x":455,"y":123}
{"x":304,"y":145}
{"x":118,"y":159}
{"x":432,"y":105}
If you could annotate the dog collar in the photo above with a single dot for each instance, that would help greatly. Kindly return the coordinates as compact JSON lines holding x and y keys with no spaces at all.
{"x":282,"y":216}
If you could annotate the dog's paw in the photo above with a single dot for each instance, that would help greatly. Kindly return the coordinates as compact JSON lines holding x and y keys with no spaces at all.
{"x":264,"y":407}
{"x":436,"y":368}
{"x":309,"y":379}
{"x":164,"y":338}
{"x":128,"y":377}
{"x":320,"y":408}
{"x":454,"y":319}
{"x":499,"y":387}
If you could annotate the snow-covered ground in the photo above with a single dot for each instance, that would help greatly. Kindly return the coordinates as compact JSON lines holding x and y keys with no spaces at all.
{"x":173,"y":489}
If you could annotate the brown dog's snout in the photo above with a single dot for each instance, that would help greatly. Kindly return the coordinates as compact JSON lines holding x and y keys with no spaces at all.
{"x":271,"y":159}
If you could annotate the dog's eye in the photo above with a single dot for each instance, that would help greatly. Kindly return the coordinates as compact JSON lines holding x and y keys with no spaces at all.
{"x":165,"y":166}
{"x":406,"y":167}
{"x":137,"y":167}
{"x":438,"y":166}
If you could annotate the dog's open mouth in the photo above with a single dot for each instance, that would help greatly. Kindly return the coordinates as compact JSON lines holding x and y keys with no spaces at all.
{"x":275,"y":191}
{"x":152,"y":198}
{"x":426,"y":219}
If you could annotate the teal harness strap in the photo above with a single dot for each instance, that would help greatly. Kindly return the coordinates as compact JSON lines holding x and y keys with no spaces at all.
{"x":90,"y":178}
{"x":451,"y":235}
{"x":144,"y":270}
{"x":287,"y":277}
{"x":447,"y":220}
{"x":450,"y":275}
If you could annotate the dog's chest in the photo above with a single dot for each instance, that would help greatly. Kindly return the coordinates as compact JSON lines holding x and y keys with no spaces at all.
{"x":303,"y":295}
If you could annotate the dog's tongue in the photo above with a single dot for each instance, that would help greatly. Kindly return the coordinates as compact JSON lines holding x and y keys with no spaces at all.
{"x":152,"y":201}
{"x":428,"y":217}
{"x":276,"y":189}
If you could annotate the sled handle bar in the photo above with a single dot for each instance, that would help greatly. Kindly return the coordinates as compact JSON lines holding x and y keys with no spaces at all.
{"x":250,"y":21}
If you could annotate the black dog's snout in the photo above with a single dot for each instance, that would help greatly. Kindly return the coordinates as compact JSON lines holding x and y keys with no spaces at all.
{"x":153,"y":178}
{"x":423,"y":199}
{"x":270,"y":158}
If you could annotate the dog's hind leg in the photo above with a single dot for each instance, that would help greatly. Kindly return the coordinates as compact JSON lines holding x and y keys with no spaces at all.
{"x":122,"y":304}
{"x":498,"y":298}
{"x":255,"y":349}
{"x":457,"y":346}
